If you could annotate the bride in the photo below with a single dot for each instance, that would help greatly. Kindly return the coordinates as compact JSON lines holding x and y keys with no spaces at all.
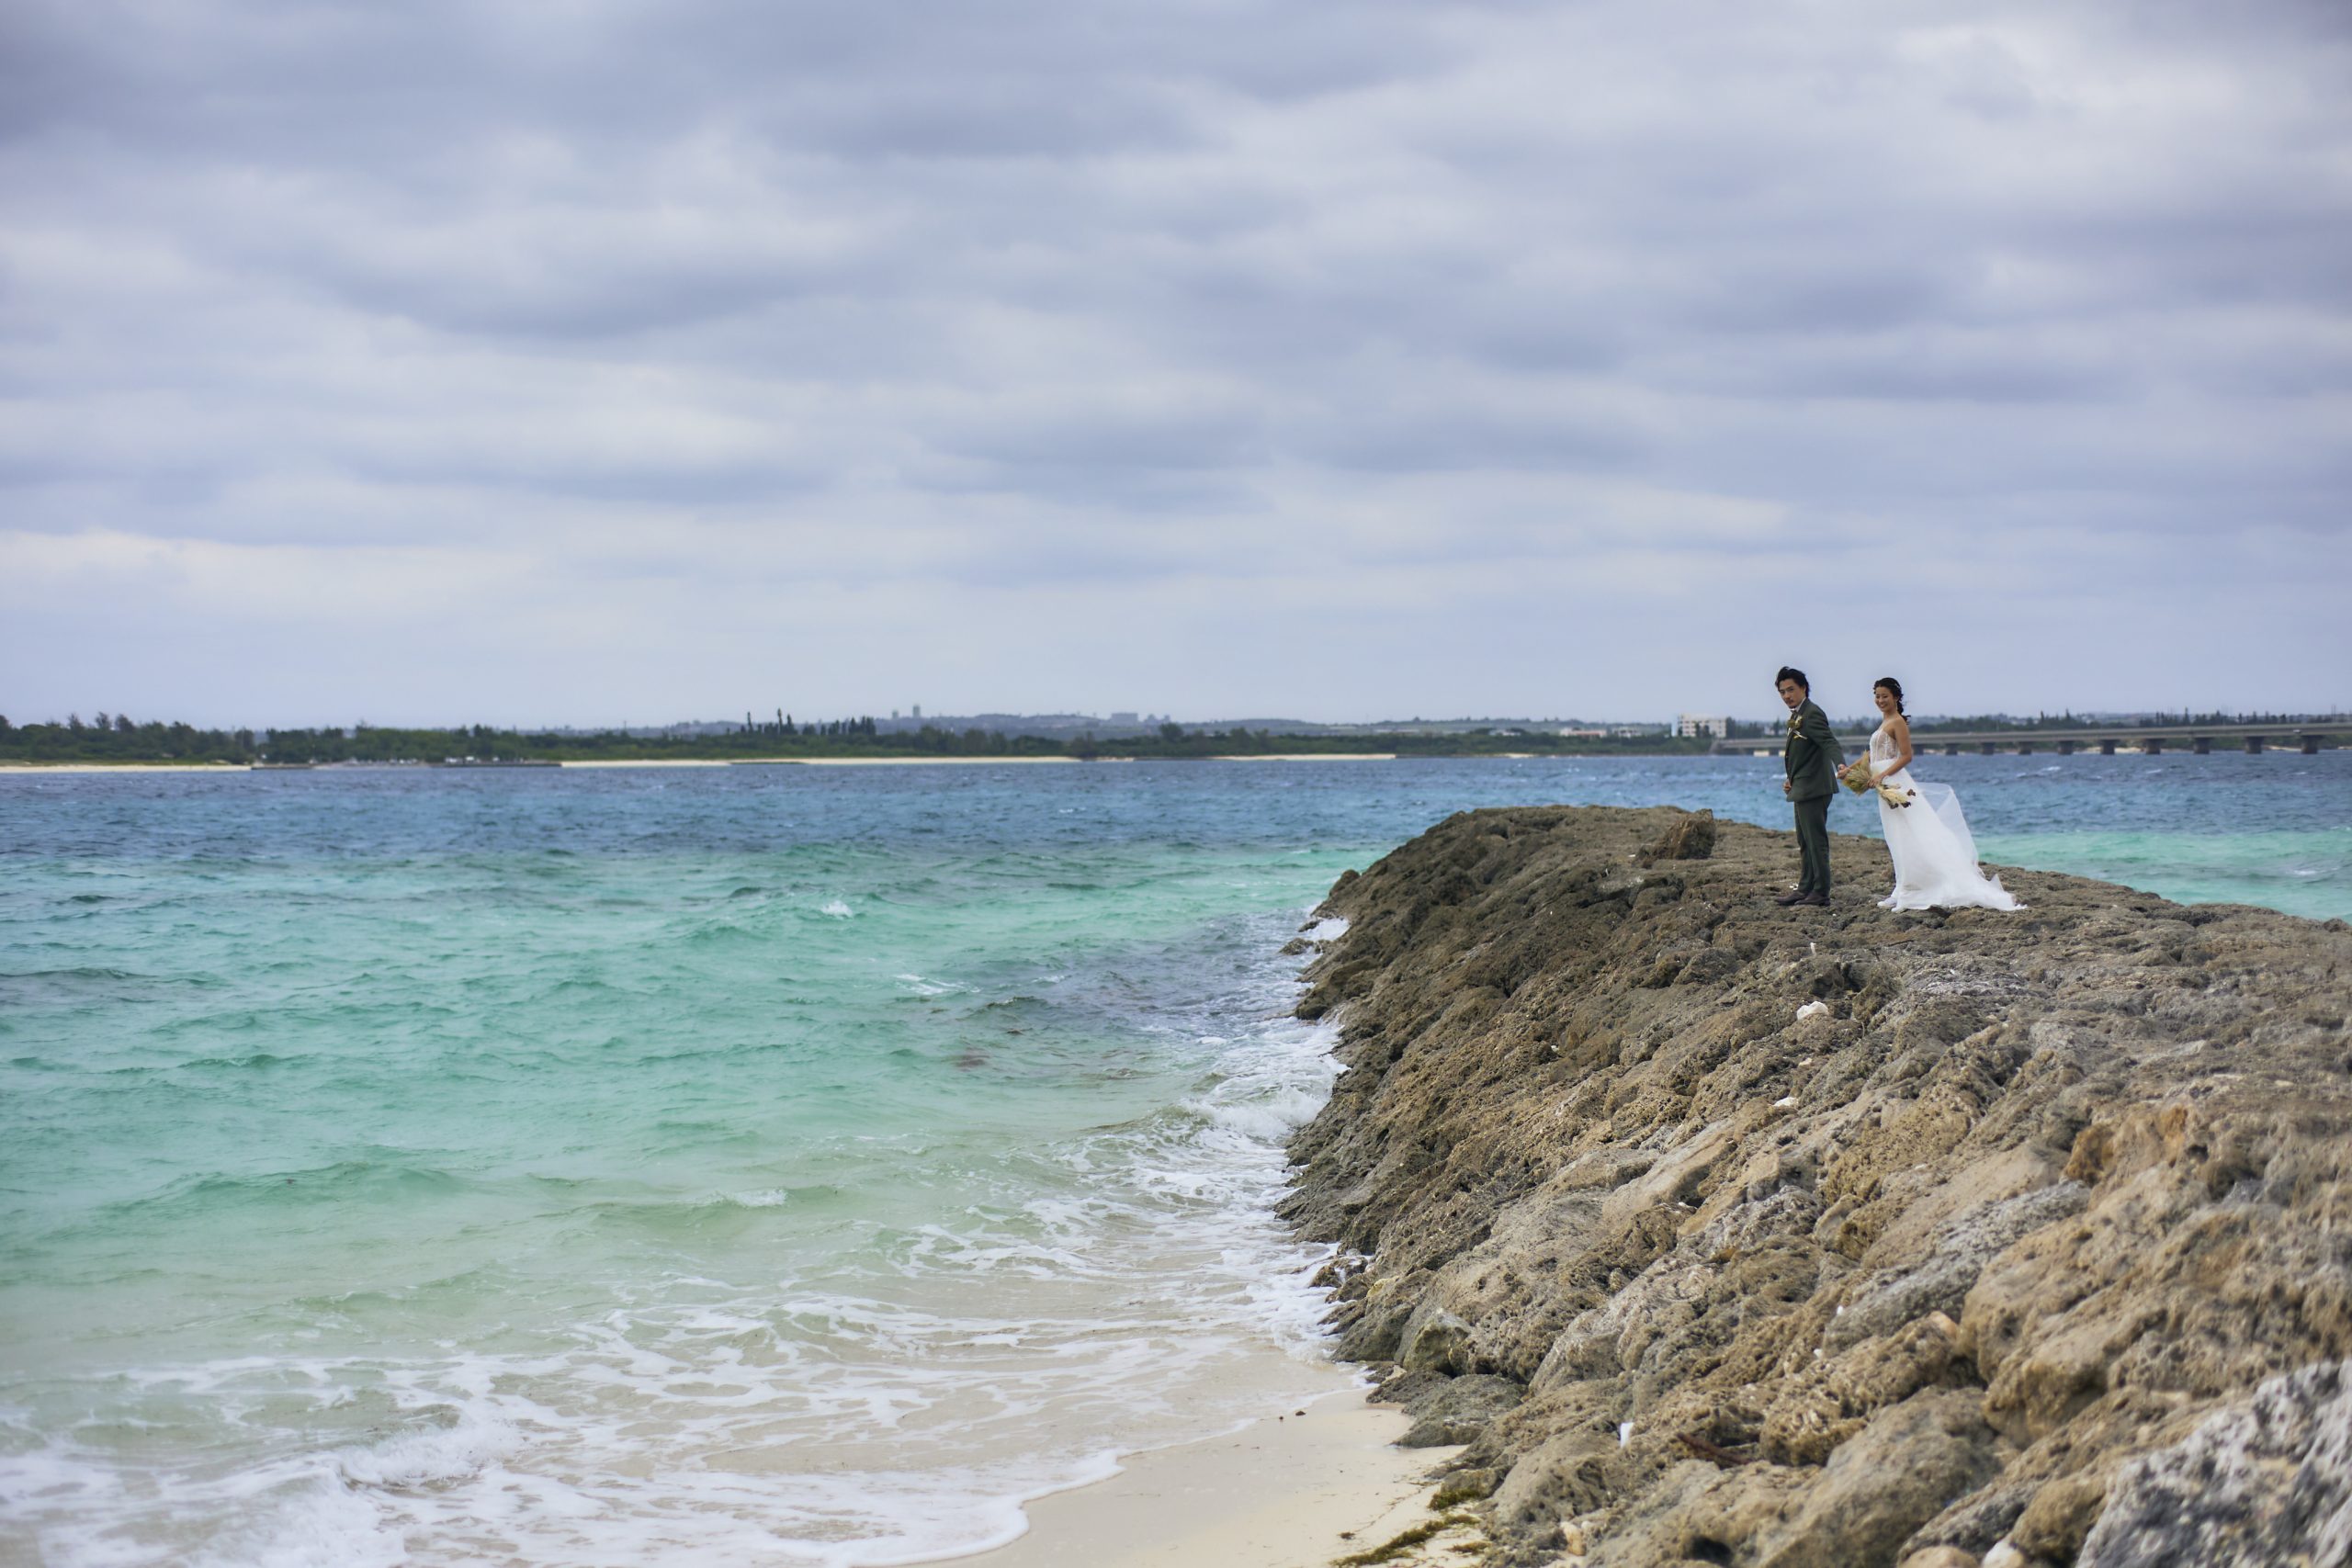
{"x":1934,"y":858}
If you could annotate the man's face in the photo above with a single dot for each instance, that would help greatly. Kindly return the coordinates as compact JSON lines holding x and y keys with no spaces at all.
{"x":1792,"y":695}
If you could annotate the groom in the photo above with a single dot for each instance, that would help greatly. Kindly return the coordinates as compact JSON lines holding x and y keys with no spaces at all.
{"x":1812,"y":759}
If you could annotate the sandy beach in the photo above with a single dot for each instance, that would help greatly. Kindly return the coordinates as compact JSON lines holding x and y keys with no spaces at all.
{"x":651,"y":762}
{"x":903,"y":762}
{"x":1290,"y":1491}
{"x":124,"y":768}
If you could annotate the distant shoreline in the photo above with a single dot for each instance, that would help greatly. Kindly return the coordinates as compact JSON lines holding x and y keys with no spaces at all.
{"x":609,"y":763}
{"x":606,"y":763}
{"x":126,"y":767}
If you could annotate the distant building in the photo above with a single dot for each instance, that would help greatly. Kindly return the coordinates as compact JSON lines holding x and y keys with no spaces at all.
{"x":1125,"y":719}
{"x":1691,"y":726}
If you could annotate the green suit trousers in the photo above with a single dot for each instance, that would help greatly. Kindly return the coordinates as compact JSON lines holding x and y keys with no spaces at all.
{"x":1812,"y":844}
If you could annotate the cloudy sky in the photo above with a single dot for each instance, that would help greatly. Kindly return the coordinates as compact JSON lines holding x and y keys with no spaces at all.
{"x":584,"y":360}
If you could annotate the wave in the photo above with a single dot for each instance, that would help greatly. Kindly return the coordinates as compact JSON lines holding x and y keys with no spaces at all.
{"x":923,"y":987}
{"x":415,"y":1459}
{"x":343,"y":1180}
{"x":258,"y":1059}
{"x":77,"y":972}
{"x":771,"y":1197}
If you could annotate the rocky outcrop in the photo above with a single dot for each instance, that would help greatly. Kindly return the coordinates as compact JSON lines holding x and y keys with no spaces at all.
{"x":1691,"y":836}
{"x":2269,"y":1481}
{"x":1724,"y":1233}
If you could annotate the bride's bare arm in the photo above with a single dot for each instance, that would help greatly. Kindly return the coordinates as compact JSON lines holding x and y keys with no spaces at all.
{"x":1900,"y":732}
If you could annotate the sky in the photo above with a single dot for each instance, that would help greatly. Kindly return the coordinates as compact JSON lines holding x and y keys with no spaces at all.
{"x":582,"y":361}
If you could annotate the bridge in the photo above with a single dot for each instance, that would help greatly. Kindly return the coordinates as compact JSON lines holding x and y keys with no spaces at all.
{"x":2306,"y":736}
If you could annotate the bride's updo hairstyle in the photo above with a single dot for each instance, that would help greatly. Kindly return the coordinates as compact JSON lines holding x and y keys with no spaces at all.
{"x":1894,"y":689}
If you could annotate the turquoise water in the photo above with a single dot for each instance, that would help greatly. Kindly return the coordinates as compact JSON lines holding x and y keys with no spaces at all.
{"x":768,"y":1165}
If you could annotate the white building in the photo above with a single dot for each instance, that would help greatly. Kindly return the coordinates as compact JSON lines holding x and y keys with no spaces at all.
{"x":1691,"y":726}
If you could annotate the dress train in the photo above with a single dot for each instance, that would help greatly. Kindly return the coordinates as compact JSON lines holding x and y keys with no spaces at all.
{"x":1934,"y":853}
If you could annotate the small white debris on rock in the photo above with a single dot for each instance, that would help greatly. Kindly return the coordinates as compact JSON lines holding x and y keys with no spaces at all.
{"x":1813,"y":1010}
{"x":1624,"y":1430}
{"x":1784,"y":1103}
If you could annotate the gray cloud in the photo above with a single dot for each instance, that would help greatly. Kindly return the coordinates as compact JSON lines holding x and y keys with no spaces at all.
{"x":1220,"y":357}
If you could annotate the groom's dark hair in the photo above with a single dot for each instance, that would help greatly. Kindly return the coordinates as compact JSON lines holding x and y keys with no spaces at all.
{"x":1791,"y":672}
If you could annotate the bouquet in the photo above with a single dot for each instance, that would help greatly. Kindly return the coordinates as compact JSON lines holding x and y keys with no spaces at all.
{"x":1858,"y":778}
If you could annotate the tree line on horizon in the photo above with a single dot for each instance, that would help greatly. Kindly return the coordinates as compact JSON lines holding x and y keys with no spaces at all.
{"x":117,"y":737}
{"x":2071,"y":720}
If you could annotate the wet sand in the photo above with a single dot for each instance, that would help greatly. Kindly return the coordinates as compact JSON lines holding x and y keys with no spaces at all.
{"x":1287,"y":1493}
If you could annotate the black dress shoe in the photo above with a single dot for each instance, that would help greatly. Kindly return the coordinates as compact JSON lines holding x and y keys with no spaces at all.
{"x":1799,"y":896}
{"x":1820,"y":901}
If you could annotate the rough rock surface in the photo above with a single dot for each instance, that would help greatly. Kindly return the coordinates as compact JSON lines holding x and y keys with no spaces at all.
{"x":1691,"y":837}
{"x":2268,"y":1481}
{"x":1984,"y":1257}
{"x":1447,"y":1409}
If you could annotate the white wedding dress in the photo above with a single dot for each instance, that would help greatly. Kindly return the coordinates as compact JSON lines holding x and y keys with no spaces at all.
{"x":1935,"y":857}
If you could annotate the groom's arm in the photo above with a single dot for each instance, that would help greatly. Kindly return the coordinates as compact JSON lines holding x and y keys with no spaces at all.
{"x":1814,"y":726}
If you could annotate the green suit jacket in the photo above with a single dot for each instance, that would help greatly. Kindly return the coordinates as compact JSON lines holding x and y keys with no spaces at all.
{"x":1813,"y":756}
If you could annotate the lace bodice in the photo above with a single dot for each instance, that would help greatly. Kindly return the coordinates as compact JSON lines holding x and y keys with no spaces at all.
{"x":1881,"y":745}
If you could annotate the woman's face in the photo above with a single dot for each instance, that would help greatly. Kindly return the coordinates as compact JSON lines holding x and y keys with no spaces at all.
{"x":1885,"y":700}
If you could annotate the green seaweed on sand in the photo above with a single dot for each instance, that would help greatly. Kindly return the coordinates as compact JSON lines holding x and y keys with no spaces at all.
{"x":1396,"y":1546}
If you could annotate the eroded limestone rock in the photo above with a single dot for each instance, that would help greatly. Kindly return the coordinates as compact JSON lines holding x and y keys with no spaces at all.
{"x":2266,"y":1482}
{"x":1691,"y":838}
{"x":1891,"y":1477}
{"x":1984,"y":1258}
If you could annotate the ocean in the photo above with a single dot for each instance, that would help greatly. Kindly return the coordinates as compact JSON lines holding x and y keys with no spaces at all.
{"x":776,"y":1166}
